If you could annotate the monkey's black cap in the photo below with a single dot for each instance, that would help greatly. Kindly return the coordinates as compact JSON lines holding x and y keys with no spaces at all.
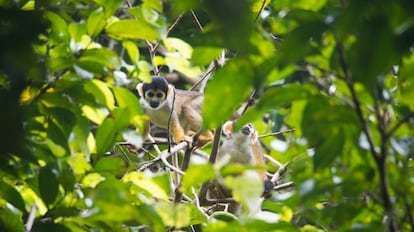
{"x":157,"y":83}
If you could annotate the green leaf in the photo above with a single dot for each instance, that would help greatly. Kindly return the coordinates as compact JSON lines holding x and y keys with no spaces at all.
{"x":205,"y":55}
{"x":110,"y":6}
{"x":197,"y":175}
{"x":12,"y":196}
{"x":109,"y":129}
{"x":247,"y":189}
{"x":10,"y":221}
{"x":224,"y":216}
{"x":146,"y":184}
{"x":329,"y":149}
{"x":102,"y":93}
{"x":148,"y":216}
{"x":126,"y":99}
{"x":64,"y":119}
{"x":180,"y":215}
{"x":156,"y":5}
{"x":132,"y":50}
{"x":44,"y":225}
{"x":105,"y":136}
{"x":67,"y":179}
{"x":99,"y":60}
{"x":275,"y":98}
{"x":235,"y":81}
{"x":305,"y":34}
{"x":77,"y":30}
{"x":369,"y":58}
{"x":131,"y":29}
{"x":231,"y":22}
{"x":48,"y":185}
{"x":59,"y":29}
{"x":96,"y":22}
{"x":113,"y":165}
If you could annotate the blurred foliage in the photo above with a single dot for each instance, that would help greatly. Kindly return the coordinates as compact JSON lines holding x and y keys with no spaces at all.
{"x":340,"y":72}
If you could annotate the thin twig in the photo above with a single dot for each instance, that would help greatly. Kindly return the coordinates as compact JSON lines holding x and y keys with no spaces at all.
{"x":197,"y":202}
{"x":152,"y":140}
{"x":277,"y":133}
{"x":169,"y":121}
{"x":30,"y":219}
{"x":170,"y":166}
{"x":284,"y":186}
{"x":196,"y":20}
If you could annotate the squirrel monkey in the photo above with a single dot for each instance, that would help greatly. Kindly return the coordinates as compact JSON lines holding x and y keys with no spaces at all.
{"x":163,"y":103}
{"x":243,"y":148}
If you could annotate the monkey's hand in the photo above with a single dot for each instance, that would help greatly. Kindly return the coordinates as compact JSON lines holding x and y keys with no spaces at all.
{"x":188,"y":140}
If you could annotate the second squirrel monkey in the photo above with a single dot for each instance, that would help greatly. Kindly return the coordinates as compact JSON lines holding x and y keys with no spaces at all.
{"x":243,"y":148}
{"x":182,"y":108}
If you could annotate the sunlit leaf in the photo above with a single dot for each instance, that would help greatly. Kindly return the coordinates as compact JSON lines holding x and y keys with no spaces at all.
{"x":132,"y":51}
{"x":96,"y":22}
{"x":131,"y":29}
{"x":146,"y":184}
{"x":102,"y":93}
{"x":99,"y":60}
{"x":205,"y":55}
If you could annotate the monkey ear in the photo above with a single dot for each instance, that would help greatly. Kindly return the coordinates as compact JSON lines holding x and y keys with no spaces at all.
{"x":140,"y":89}
{"x":227,"y":128}
{"x":170,"y":90}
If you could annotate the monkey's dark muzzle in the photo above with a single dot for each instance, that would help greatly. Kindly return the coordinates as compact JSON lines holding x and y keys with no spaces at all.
{"x":245,"y":130}
{"x":154,"y":104}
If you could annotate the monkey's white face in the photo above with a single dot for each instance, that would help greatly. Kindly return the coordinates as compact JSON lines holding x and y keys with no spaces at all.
{"x":155,"y":97}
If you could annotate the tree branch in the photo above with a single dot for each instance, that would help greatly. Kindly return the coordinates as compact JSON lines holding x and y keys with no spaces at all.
{"x":212,"y":159}
{"x":379,"y":158}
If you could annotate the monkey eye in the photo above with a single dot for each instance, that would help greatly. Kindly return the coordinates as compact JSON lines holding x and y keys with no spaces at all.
{"x":150,"y":94}
{"x":160,"y":95}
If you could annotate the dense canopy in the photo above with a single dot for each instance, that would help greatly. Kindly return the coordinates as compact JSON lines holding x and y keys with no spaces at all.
{"x":340,"y":73}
